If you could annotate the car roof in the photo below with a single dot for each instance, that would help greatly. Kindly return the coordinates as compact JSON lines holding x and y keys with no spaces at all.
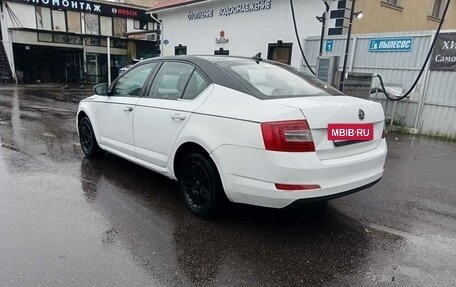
{"x":208,"y":64}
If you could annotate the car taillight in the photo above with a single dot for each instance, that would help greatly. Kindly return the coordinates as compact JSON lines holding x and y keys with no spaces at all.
{"x":295,"y":187}
{"x":289,"y":136}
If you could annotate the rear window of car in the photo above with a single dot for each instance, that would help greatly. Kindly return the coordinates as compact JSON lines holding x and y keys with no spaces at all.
{"x":272,"y":81}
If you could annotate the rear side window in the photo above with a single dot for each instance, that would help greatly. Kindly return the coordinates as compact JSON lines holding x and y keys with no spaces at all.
{"x":171,"y":80}
{"x":276,"y":81}
{"x":196,"y":85}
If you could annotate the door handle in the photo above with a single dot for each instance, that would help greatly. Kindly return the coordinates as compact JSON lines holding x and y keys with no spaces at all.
{"x":128,"y":109}
{"x":178,"y":117}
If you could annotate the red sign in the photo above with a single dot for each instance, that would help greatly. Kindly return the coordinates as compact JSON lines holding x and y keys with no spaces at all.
{"x":125,"y":12}
{"x":222,"y":34}
{"x":350,"y":132}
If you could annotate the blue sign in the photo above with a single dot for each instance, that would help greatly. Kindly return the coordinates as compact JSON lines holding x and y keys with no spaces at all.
{"x":329,"y":45}
{"x":391,"y":44}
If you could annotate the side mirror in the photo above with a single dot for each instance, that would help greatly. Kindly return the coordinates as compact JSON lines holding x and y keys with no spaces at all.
{"x":101,"y":89}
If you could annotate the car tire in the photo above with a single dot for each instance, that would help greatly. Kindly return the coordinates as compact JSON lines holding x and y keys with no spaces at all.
{"x":89,"y":144}
{"x":200,"y":186}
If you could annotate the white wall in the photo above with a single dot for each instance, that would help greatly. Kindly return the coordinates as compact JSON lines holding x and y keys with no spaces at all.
{"x":248,"y":32}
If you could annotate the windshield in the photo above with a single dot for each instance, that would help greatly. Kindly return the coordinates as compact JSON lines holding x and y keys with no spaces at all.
{"x":277,"y":81}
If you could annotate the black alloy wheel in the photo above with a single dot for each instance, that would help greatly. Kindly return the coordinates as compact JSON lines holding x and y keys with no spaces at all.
{"x":200,"y":185}
{"x":87,"y":138}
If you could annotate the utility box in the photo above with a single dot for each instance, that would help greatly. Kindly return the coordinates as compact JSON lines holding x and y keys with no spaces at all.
{"x":327,"y":69}
{"x":358,"y":85}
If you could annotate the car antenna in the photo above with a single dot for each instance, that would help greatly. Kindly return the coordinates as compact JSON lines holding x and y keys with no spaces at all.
{"x":257,"y":58}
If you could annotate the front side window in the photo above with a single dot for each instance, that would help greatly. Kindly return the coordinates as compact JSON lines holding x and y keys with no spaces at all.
{"x":277,"y":81}
{"x":132,"y":83}
{"x":171,"y":81}
{"x":43,"y":18}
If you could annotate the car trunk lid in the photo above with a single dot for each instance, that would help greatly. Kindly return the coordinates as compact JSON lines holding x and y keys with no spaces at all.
{"x":320,"y":111}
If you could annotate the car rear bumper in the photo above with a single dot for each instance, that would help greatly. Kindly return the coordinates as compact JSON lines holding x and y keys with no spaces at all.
{"x":249,"y":175}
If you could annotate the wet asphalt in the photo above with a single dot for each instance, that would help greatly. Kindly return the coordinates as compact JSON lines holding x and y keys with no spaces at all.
{"x":69,"y":221}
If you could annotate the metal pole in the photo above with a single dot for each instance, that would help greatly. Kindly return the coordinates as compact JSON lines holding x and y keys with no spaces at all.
{"x":108,"y":43}
{"x":347,"y":46}
{"x":422,"y":98}
{"x":352,"y":56}
{"x":161,"y":32}
{"x":322,"y":36}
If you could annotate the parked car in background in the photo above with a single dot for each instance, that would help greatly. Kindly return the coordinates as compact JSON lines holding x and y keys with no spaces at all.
{"x":124,"y":69}
{"x":249,"y":130}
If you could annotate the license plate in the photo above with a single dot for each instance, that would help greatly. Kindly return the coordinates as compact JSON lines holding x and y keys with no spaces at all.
{"x":350,"y":132}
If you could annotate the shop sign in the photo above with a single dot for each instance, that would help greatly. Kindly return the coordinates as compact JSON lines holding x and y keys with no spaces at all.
{"x":391,"y":44}
{"x":232,"y":9}
{"x":200,"y":14}
{"x":88,"y":6}
{"x":222,"y":38}
{"x":329,"y":46}
{"x":245,"y":7}
{"x":444,"y":53}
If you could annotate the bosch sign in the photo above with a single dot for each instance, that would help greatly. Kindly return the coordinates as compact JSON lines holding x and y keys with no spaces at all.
{"x":125,"y":12}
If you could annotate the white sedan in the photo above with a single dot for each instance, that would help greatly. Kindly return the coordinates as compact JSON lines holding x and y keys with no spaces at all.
{"x":247,"y":130}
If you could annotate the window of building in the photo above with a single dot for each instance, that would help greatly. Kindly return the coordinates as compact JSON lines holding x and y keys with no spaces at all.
{"x":75,"y":40}
{"x":140,"y":25}
{"x":437,"y":8}
{"x":221,"y":51}
{"x":152,"y":26}
{"x":44,"y":37}
{"x":43,"y":18}
{"x":393,"y":4}
{"x":74,"y":22}
{"x":180,"y":50}
{"x":120,"y":27}
{"x":280,"y":52}
{"x":119,"y":43}
{"x":92,"y":24}
{"x":92,"y":41}
{"x":106,"y":26}
{"x":58,"y":21}
{"x":60,"y":38}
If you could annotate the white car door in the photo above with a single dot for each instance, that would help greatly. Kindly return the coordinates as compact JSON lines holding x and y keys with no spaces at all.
{"x":115,"y":111}
{"x":163,"y":112}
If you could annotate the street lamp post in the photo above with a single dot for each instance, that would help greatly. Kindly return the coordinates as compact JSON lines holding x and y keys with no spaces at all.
{"x":322,"y":20}
{"x":347,"y":46}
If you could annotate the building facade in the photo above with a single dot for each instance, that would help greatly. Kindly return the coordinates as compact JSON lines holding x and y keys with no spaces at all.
{"x":145,"y":3}
{"x":398,"y":15}
{"x":66,"y":40}
{"x":241,"y":28}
